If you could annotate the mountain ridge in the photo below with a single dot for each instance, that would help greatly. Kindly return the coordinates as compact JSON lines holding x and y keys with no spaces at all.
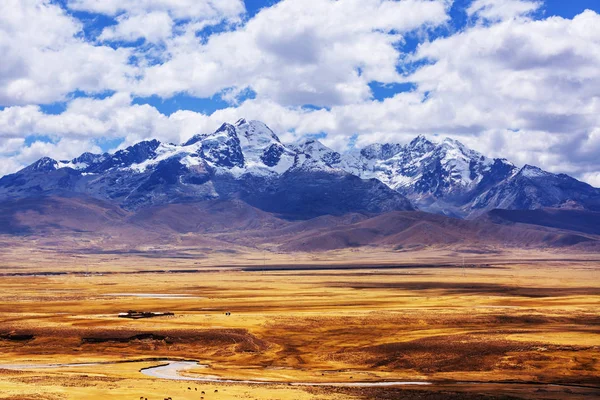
{"x":247,"y":160}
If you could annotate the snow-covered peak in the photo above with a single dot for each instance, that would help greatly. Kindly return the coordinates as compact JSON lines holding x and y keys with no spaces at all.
{"x":453,"y":147}
{"x":89,"y":158}
{"x":44,"y":164}
{"x":449,"y":144}
{"x":424,"y":169}
{"x":530,"y":171}
{"x":378,"y":151}
{"x":312,"y":147}
{"x":255,"y":134}
{"x":421,"y":144}
{"x":84,"y":161}
{"x":461,"y":160}
{"x":440,"y":176}
{"x":163,"y":152}
{"x":314,"y":155}
{"x":224,"y":132}
{"x":251,"y":147}
{"x":452,"y":142}
{"x":263,"y":151}
{"x":247,"y":147}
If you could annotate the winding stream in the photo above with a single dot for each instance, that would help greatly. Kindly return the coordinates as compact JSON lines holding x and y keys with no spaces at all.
{"x":173,"y":371}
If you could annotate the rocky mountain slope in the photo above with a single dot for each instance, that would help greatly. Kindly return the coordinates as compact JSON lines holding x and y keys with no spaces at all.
{"x":448,"y":178}
{"x":247,"y":161}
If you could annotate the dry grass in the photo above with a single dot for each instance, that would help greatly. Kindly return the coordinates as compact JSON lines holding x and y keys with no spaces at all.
{"x":507,"y":317}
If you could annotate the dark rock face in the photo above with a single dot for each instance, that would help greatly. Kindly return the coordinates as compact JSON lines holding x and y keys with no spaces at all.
{"x":499,"y":171}
{"x":166,"y":173}
{"x":332,"y":158}
{"x":223,"y":148}
{"x":135,"y":154}
{"x":33,"y":182}
{"x":433,"y":180}
{"x":90,"y":159}
{"x":272,"y":155}
{"x":381,"y":151}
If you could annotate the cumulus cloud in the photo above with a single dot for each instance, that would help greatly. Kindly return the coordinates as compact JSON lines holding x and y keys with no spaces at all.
{"x":154,"y":27}
{"x":593,"y":178}
{"x":325,"y":54}
{"x":85,"y":119}
{"x":154,"y":20}
{"x":44,"y":58}
{"x":8,"y":165}
{"x":180,"y":9}
{"x":497,"y":10}
{"x":9,"y":146}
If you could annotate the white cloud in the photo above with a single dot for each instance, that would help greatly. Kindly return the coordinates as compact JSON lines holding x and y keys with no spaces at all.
{"x":87,"y":118}
{"x":180,"y":9}
{"x":43,"y":59}
{"x":325,"y":54}
{"x":10,"y":145}
{"x":496,"y":10}
{"x":8,"y":165}
{"x":154,"y":27}
{"x":154,"y":20}
{"x":16,"y":122}
{"x":593,"y":178}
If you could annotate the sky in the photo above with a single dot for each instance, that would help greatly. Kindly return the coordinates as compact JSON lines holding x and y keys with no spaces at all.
{"x":517,"y":79}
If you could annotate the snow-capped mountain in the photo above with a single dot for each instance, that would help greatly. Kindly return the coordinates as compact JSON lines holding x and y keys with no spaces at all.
{"x":247,"y":161}
{"x":451,"y":179}
{"x":439,"y":177}
{"x":531,"y":188}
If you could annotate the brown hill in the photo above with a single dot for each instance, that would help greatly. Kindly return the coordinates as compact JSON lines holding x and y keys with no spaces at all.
{"x":224,"y":224}
{"x":43,"y":215}
{"x":409,"y":229}
{"x":216,"y":216}
{"x":572,"y":220}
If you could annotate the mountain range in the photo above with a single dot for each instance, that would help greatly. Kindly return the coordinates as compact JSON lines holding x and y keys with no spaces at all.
{"x":246,"y":163}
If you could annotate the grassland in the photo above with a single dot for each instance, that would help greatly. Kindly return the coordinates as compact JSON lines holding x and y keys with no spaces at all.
{"x":518,"y":325}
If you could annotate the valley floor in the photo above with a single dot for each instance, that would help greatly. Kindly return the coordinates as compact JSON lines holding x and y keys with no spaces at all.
{"x":498,"y":326}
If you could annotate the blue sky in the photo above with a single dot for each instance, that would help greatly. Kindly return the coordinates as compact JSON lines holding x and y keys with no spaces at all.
{"x":511,"y":78}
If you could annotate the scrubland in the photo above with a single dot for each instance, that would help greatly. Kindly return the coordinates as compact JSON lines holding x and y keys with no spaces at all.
{"x":496,"y":325}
